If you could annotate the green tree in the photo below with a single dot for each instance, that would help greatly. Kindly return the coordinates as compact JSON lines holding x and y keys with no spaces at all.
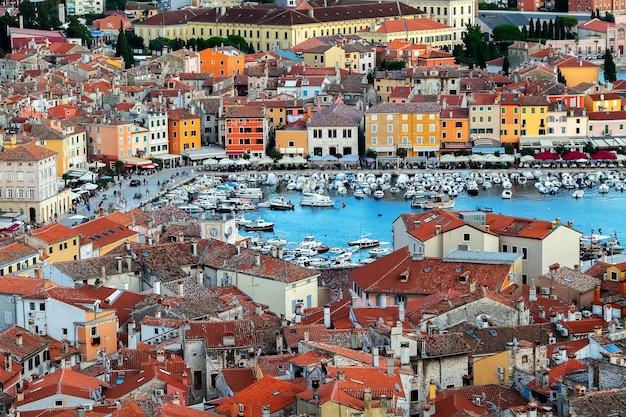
{"x":5,"y":21}
{"x":589,"y":148}
{"x":544,"y":30}
{"x":401,"y":153}
{"x":506,"y":64}
{"x":525,"y":32}
{"x":609,"y":17}
{"x":569,"y":22}
{"x":158,"y":44}
{"x":119,"y":166}
{"x":551,"y":29}
{"x":507,"y":33}
{"x":274,"y":154}
{"x":610,"y":72}
{"x":371,"y":153}
{"x":560,"y":78}
{"x":557,"y":29}
{"x":531,"y":29}
{"x":75,"y":29}
{"x":560,"y":149}
{"x":115,"y":4}
{"x":134,"y":41}
{"x":28,"y":13}
{"x":392,"y":65}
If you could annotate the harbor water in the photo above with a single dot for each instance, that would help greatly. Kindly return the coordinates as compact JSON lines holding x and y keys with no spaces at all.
{"x":350,"y":218}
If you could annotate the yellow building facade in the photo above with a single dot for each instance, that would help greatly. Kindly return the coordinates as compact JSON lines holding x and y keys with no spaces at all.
{"x":268,"y":29}
{"x":415,"y":127}
{"x":184,"y":131}
{"x":59,"y":242}
{"x":292,"y":141}
{"x":534,"y":117}
{"x":493,"y":369}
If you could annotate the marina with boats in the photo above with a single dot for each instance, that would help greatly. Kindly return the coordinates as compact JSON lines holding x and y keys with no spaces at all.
{"x":276,"y":209}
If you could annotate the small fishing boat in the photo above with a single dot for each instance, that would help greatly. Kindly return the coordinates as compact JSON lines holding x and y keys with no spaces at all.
{"x":379,"y":252}
{"x":378,"y":194}
{"x":484,"y":209}
{"x":364,"y":243}
{"x":440,"y":201}
{"x":281,"y":204}
{"x":259,"y":225}
{"x":578,"y":194}
{"x":507,"y":194}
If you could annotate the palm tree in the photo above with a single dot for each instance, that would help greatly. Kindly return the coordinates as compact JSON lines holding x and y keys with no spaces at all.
{"x":119,"y":165}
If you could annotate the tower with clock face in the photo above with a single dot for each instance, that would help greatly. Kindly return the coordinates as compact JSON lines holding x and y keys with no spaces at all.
{"x":218,"y":227}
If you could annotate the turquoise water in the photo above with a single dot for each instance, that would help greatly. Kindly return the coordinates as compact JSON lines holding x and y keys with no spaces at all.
{"x":336,"y":226}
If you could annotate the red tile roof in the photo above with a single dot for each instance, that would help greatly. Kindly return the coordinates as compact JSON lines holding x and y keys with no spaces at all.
{"x":557,"y":375}
{"x":54,"y":232}
{"x":26,"y":152}
{"x":275,"y":393}
{"x":584,"y":326}
{"x":214,"y":333}
{"x":596,"y":25}
{"x":146,"y":378}
{"x":24,"y":286}
{"x":121,"y":300}
{"x":7,"y":376}
{"x":30,"y":343}
{"x":103,"y":232}
{"x":572,"y":61}
{"x":275,"y":365}
{"x":497,"y":394}
{"x":64,"y":381}
{"x":238,"y":379}
{"x":427,"y":276}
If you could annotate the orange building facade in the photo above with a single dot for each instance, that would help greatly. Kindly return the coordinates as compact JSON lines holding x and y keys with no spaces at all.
{"x":223,"y":61}
{"x":510,"y":118}
{"x":247,"y":128}
{"x":184,"y":131}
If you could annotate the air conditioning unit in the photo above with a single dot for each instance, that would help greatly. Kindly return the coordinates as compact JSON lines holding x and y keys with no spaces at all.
{"x":586,"y":313}
{"x":551,"y":340}
{"x":500,"y":369}
{"x":243,"y":364}
{"x":88,"y":407}
{"x":545,"y":291}
{"x":159,"y":392}
{"x":553,"y":296}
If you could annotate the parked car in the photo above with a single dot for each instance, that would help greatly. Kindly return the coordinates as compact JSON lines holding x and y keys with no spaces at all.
{"x":135,"y":183}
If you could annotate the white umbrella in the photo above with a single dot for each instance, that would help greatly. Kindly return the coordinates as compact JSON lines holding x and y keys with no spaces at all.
{"x":491,"y":158}
{"x":265,"y":160}
{"x":462,"y":158}
{"x":301,"y":160}
{"x":478,"y":158}
{"x":89,"y":186}
{"x":254,"y":159}
{"x":77,"y":217}
{"x":226,"y":161}
{"x":621,"y":157}
{"x":242,"y":161}
{"x":447,"y":158}
{"x":527,"y":158}
{"x":506,"y":158}
{"x":285,"y":160}
{"x":210,"y":161}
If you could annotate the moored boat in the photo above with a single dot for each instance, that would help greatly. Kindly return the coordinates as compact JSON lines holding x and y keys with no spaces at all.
{"x":259,"y":225}
{"x":364,"y":243}
{"x":281,"y":204}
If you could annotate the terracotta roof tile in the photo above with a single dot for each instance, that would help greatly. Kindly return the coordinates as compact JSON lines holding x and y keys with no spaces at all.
{"x":54,"y":232}
{"x":16,"y":251}
{"x":218,"y":335}
{"x":386,"y":275}
{"x":26,"y":152}
{"x":275,"y":393}
{"x":64,"y":381}
{"x":238,"y":379}
{"x":103,"y":232}
{"x":23,"y":285}
{"x":497,"y":394}
{"x":557,"y":375}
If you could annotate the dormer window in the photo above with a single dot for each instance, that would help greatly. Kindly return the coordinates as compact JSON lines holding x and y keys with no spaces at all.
{"x":404,"y":276}
{"x":463,"y":278}
{"x":614,"y":276}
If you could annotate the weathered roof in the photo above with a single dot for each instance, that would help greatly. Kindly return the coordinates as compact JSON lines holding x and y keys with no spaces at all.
{"x":337,"y":115}
{"x":26,"y":152}
{"x":424,"y":107}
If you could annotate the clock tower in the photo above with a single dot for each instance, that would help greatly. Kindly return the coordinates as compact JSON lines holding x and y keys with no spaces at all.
{"x":220,"y":227}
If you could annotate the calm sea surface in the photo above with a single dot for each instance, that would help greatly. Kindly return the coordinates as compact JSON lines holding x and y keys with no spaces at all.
{"x":369,"y":217}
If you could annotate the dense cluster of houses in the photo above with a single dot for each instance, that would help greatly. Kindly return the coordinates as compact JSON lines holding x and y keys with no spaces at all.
{"x":474,"y":314}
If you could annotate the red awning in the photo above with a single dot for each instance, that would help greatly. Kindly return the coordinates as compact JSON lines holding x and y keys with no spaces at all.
{"x":234,"y":152}
{"x":127,"y":165}
{"x":147,"y":165}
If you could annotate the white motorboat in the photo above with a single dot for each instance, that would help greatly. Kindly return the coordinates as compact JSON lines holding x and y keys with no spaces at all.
{"x":242,"y":221}
{"x":603,"y":188}
{"x":281,"y":204}
{"x":364,"y":243}
{"x":379,"y":252}
{"x":378,"y":194}
{"x":438,"y":202}
{"x":578,"y":194}
{"x":358,"y":193}
{"x":259,"y":225}
{"x":507,"y":194}
{"x":316,"y":200}
{"x":264,"y":204}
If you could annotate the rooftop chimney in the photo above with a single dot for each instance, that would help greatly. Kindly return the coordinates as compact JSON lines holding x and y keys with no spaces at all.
{"x":265,"y":411}
{"x":405,"y":357}
{"x":257,"y":260}
{"x":375,"y":358}
{"x":341,"y":375}
{"x":390,"y":370}
{"x":8,"y":363}
{"x":401,"y":311}
{"x":118,"y":259}
{"x":80,"y":411}
{"x":129,"y":262}
{"x":19,"y":339}
{"x":157,"y":287}
{"x":181,"y":289}
{"x":194,"y":247}
{"x":38,"y":273}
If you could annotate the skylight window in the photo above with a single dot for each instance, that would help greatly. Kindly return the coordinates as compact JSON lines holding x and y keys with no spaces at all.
{"x":493,"y":332}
